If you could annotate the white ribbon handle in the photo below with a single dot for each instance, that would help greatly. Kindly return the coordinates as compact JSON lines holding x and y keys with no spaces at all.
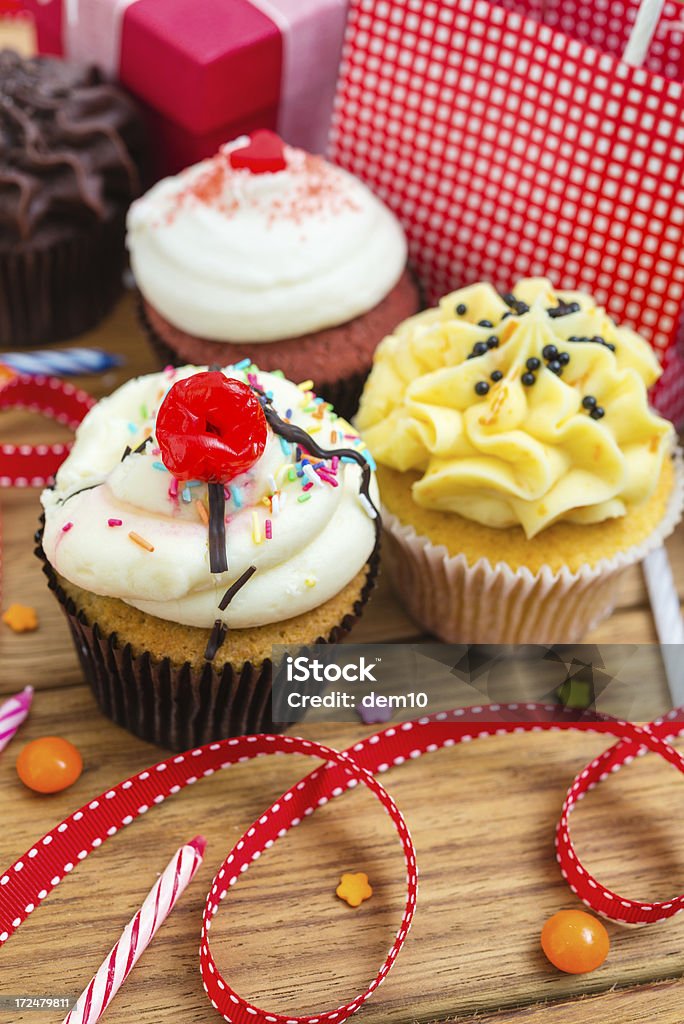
{"x":664,"y":599}
{"x":643,"y":31}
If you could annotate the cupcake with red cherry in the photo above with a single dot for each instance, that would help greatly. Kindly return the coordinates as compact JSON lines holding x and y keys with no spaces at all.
{"x":201,"y":517}
{"x":269,"y":253}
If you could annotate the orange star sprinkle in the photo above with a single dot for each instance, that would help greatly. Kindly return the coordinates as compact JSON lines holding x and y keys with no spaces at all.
{"x":354,"y":888}
{"x":21,"y":618}
{"x":6,"y":375}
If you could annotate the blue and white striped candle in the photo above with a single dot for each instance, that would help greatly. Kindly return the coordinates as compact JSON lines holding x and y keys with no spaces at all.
{"x":64,"y":362}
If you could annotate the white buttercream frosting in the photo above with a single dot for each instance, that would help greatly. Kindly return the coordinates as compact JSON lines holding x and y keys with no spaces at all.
{"x":321,"y":536}
{"x":228,"y":255}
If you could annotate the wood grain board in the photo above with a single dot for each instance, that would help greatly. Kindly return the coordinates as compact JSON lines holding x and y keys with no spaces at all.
{"x":483,"y":818}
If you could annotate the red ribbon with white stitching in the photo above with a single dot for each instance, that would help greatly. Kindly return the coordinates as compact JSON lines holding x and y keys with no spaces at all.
{"x":25,"y":465}
{"x":29,"y":880}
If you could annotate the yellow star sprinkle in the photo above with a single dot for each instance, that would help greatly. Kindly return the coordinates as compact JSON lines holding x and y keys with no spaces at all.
{"x":21,"y":618}
{"x":354,"y":888}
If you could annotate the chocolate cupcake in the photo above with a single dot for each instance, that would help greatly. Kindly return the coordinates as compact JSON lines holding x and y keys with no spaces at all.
{"x":268,"y":253}
{"x":201,"y":518}
{"x":70,"y":148}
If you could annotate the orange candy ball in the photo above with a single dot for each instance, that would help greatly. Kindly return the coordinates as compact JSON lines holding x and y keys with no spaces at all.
{"x":49,"y":765}
{"x":575,"y":942}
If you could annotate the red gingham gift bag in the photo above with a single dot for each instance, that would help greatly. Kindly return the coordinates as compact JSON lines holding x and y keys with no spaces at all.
{"x":509,"y":147}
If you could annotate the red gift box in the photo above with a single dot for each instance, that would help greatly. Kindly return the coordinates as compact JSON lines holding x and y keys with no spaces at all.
{"x":11,"y":8}
{"x":508,"y":147}
{"x":206,"y":72}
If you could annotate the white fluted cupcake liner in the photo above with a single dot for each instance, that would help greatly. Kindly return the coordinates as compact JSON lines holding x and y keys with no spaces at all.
{"x":481,"y":603}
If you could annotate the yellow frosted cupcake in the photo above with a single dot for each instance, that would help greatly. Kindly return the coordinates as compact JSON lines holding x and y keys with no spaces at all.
{"x":520,"y":467}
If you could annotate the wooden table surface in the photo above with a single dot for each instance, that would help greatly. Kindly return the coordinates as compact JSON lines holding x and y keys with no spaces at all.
{"x":483,"y":818}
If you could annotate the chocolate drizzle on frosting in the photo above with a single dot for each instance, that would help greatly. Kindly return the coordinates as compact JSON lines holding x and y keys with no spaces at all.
{"x":69,"y":145}
{"x":234,"y":588}
{"x":218,"y":560}
{"x":217,"y":540}
{"x":297,"y":436}
{"x":142,"y":446}
{"x":81,"y":490}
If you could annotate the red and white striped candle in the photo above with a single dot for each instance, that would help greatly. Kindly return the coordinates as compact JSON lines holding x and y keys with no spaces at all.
{"x":13,"y":713}
{"x":138,"y":933}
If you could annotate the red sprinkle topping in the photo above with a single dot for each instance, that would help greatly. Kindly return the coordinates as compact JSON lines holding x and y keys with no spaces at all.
{"x":263,"y":154}
{"x":115,"y":522}
{"x":314,"y":188}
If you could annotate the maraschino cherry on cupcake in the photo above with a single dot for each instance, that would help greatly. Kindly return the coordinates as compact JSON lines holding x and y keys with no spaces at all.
{"x":202,"y":517}
{"x":269,"y":253}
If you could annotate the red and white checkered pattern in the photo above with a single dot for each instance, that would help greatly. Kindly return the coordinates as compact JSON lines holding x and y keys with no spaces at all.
{"x":606,"y":25}
{"x":510,"y":148}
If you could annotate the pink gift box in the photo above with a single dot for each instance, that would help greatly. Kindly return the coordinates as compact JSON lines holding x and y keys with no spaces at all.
{"x":206,"y":72}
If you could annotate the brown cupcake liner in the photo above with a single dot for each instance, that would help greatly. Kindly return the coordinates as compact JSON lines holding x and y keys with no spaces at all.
{"x":174,"y":706}
{"x":56,"y":292}
{"x":343,"y":393}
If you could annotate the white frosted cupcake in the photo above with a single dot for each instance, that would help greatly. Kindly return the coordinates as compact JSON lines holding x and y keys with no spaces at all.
{"x":521,"y":469}
{"x":269,"y":253}
{"x":201,"y":517}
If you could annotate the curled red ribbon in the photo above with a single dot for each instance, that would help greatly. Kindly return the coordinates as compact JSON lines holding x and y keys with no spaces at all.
{"x":29,"y":880}
{"x":25,"y":465}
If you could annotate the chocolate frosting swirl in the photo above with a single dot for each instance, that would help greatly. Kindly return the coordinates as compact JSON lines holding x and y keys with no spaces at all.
{"x":70,"y":146}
